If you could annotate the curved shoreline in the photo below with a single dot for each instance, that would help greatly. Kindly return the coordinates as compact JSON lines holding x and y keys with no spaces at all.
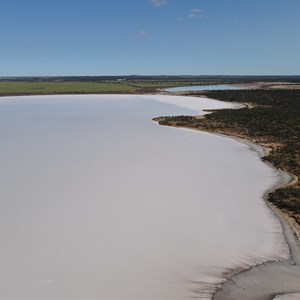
{"x":242,"y":284}
{"x":253,"y":283}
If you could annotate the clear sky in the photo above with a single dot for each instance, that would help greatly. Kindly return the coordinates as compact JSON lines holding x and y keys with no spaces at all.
{"x":149,"y":37}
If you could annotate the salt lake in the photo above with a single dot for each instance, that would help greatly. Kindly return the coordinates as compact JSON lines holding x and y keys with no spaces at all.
{"x":97,"y":201}
{"x":203,"y":88}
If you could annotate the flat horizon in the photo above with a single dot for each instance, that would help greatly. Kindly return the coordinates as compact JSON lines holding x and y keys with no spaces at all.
{"x":155,"y":75}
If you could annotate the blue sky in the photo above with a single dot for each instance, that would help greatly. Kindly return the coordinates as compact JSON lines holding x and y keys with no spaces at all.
{"x":149,"y":37}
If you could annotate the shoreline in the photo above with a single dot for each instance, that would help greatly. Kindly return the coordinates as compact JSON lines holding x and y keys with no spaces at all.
{"x":243,"y":284}
{"x":290,"y":234}
{"x":225,"y":290}
{"x":293,"y":179}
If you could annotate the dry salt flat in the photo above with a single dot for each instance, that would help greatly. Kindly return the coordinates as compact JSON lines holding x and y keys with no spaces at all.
{"x":99,"y":202}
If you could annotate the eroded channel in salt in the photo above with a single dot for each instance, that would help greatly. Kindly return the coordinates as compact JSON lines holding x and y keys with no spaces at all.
{"x":98,"y":201}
